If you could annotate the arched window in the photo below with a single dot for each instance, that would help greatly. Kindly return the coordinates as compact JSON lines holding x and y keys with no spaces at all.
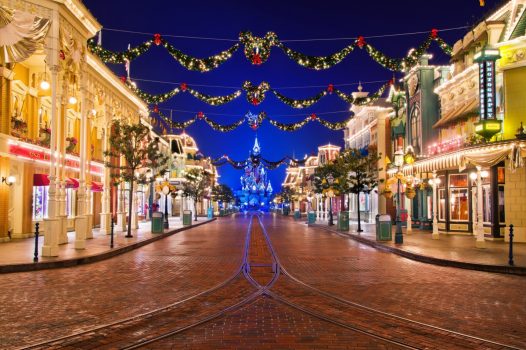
{"x":416,"y":134}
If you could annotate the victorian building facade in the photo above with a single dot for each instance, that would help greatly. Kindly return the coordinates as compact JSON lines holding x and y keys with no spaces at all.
{"x":462,"y":123}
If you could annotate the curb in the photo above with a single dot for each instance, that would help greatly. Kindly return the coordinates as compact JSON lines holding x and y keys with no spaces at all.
{"x":510,"y":270}
{"x":45,"y":265}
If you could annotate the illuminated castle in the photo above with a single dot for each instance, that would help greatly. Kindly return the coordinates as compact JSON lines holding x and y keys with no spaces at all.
{"x":255,"y":190}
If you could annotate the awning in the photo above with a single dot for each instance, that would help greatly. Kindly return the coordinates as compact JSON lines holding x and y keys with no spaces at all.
{"x":43,"y":180}
{"x":464,"y":110}
{"x":97,"y":186}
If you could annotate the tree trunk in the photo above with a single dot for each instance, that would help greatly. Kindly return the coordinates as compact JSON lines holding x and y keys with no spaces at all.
{"x":130,"y":207}
{"x":195,"y":208}
{"x":358,"y":210}
{"x":342,"y":201}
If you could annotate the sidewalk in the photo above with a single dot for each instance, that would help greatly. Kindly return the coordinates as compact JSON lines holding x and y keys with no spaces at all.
{"x":450,"y":250}
{"x":17,"y":255}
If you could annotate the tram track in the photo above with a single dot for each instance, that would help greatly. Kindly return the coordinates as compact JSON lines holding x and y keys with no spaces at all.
{"x":261,"y":275}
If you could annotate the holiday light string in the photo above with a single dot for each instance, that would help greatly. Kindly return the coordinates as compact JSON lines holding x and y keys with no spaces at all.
{"x":271,"y":165}
{"x":254,"y":121}
{"x":257,"y":51}
{"x":255,"y":95}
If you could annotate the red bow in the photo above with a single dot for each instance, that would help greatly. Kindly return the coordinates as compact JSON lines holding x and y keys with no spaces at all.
{"x":255,"y":101}
{"x":123,"y":79}
{"x":200,"y":115}
{"x":156,"y":109}
{"x":157,"y":39}
{"x":183,"y":86}
{"x":360,"y":42}
{"x":434,"y":33}
{"x":62,"y":55}
{"x":330,"y":88}
{"x":254,"y":126}
{"x":256,"y":59}
{"x":313,"y":116}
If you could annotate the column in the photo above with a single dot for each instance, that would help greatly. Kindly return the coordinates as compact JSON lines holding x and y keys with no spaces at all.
{"x":382,"y":149}
{"x":480,"y":242}
{"x":52,"y":223}
{"x":105,"y":215}
{"x":181,"y":205}
{"x":121,"y":210}
{"x":88,"y":211}
{"x":474,"y":209}
{"x":435,"y":234}
{"x":409,"y":207}
{"x":135,"y":201}
{"x":81,"y":221}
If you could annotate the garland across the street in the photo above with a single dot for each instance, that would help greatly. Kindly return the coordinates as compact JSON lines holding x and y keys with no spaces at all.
{"x":257,"y":51}
{"x":256,"y":95}
{"x":253,"y":120}
{"x":271,"y":165}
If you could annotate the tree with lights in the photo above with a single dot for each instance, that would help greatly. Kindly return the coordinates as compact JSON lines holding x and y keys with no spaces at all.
{"x":197,"y":184}
{"x":140,"y":152}
{"x":222,"y":193}
{"x":330,"y":180}
{"x":360,"y":170}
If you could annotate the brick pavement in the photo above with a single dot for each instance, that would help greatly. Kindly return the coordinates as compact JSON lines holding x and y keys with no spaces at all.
{"x":47,"y":304}
{"x":268,"y":324}
{"x":491,"y":306}
{"x":21,"y":251}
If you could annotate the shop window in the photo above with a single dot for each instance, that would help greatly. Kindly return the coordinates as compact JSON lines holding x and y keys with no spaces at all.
{"x":486,"y":204}
{"x":502,"y":215}
{"x":500,"y":175}
{"x":458,"y":180}
{"x":40,"y":198}
{"x":364,"y":201}
{"x":415,"y":129}
{"x":458,"y":209}
{"x":442,"y":206}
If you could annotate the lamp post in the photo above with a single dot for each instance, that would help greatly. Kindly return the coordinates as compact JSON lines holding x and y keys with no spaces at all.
{"x":330,"y":180}
{"x":149,"y":177}
{"x":399,"y":162}
{"x":166,"y":192}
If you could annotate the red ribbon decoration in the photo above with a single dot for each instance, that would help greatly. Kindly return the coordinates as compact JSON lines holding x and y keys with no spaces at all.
{"x":123,"y":78}
{"x":200,"y":115}
{"x":156,"y":109}
{"x":313,"y":116}
{"x":62,"y":55}
{"x":183,"y":86}
{"x":434,"y":33}
{"x":254,"y":101}
{"x":361,"y":42}
{"x":254,"y":126}
{"x":157,"y":39}
{"x":330,"y":88}
{"x":256,"y":59}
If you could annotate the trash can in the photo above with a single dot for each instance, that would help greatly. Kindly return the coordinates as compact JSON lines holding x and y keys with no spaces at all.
{"x":343,"y":221}
{"x":187,"y":217}
{"x":210,"y":213}
{"x":297,"y":214}
{"x":157,"y":222}
{"x":311,"y":217}
{"x":383,"y":228}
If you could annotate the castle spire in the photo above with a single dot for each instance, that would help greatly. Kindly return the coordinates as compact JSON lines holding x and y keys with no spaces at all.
{"x":256,"y":149}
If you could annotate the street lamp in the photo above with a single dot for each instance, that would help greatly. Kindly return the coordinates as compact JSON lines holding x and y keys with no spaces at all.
{"x":166,"y":192}
{"x":435,"y":182}
{"x":330,"y":180}
{"x":398,"y":162}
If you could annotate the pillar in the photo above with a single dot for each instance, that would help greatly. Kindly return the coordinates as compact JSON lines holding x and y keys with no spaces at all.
{"x":134,"y":215}
{"x":105,"y":215}
{"x":81,"y":221}
{"x":480,"y":242}
{"x":409,"y":223}
{"x":435,"y":234}
{"x":382,"y":151}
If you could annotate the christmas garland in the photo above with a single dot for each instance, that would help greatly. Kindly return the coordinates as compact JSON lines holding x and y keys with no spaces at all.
{"x":253,"y":120}
{"x":271,"y":165}
{"x":257,"y":51}
{"x":256,"y":95}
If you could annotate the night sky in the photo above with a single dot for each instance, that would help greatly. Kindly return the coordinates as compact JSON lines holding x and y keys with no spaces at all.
{"x":289,"y":20}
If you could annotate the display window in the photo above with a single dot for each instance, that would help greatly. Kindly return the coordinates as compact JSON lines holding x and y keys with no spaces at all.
{"x":459,"y":208}
{"x":40,"y":198}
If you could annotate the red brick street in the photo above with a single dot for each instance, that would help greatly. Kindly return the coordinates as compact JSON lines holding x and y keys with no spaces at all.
{"x":244,"y":282}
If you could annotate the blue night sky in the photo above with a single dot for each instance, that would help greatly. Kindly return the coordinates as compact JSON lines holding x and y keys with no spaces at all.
{"x":289,"y":20}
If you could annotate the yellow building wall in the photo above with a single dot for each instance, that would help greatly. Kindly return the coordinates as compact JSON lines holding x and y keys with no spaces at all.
{"x":4,"y":198}
{"x":515,"y":101}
